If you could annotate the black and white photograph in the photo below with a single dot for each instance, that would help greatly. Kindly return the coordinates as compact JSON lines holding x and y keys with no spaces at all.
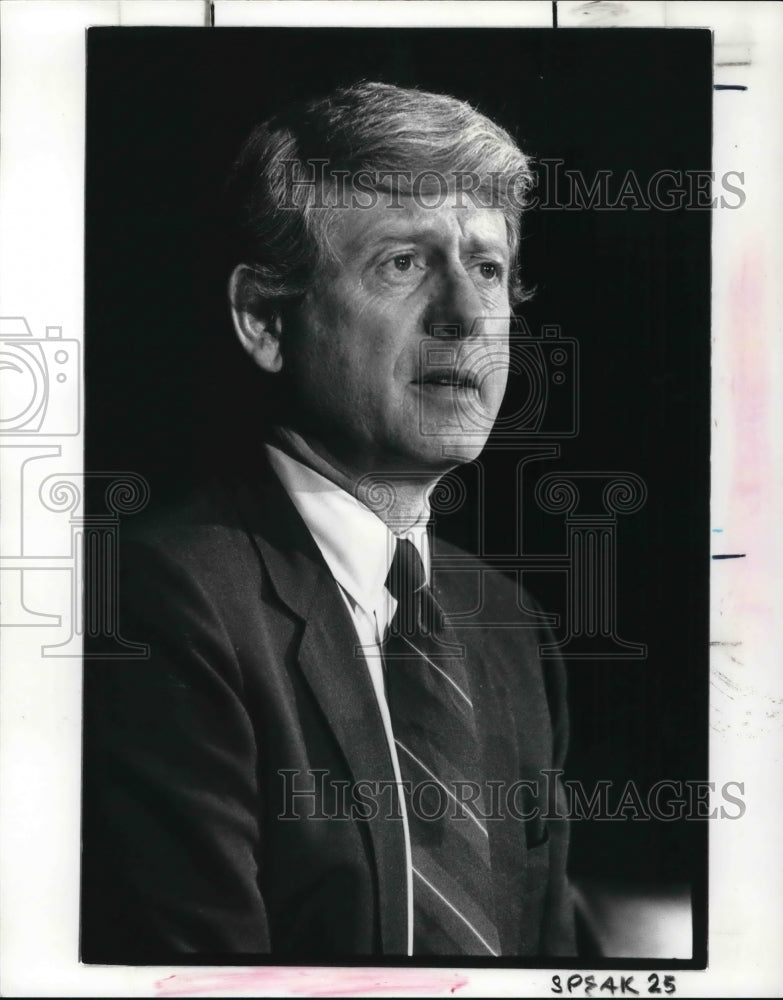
{"x":407,"y":334}
{"x":422,"y":404}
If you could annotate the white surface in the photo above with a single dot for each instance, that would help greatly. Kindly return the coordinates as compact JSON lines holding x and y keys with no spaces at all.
{"x":370,"y":13}
{"x":41,"y":120}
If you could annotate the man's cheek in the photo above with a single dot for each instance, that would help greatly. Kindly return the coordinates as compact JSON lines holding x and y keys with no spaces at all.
{"x":499,"y":384}
{"x":502,"y":381}
{"x":492,"y":367}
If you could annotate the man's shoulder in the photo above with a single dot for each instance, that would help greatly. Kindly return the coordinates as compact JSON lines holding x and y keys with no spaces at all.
{"x":493,"y":612}
{"x":200,"y":522}
{"x":235,"y":535}
{"x":214,"y":533}
{"x":462,"y":576}
{"x":199,"y":564}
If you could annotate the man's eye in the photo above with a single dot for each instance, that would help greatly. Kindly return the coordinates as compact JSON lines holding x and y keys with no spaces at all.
{"x":402,"y":265}
{"x":489,"y":270}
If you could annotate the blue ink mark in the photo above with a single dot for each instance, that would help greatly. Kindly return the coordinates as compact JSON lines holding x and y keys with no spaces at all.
{"x":718,"y":531}
{"x":728,"y":86}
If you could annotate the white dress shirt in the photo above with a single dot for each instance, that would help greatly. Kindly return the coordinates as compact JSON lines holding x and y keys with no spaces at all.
{"x":358,"y":549}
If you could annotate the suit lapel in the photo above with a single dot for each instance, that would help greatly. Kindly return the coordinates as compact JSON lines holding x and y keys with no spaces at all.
{"x":336,"y":672}
{"x":352,"y":711}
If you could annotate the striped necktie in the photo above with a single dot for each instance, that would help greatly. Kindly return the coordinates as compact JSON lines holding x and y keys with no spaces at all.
{"x":435,"y":734}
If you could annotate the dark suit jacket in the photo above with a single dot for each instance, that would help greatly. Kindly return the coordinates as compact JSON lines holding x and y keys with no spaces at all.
{"x":252,"y":673}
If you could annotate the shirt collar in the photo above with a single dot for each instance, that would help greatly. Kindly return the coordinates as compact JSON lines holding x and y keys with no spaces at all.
{"x":356,"y":544}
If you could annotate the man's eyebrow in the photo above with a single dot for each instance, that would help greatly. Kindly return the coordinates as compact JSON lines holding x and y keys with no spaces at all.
{"x":472,"y":243}
{"x":482,"y":244}
{"x":398,"y":236}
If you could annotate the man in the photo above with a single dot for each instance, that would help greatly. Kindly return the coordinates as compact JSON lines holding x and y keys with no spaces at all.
{"x":316,"y":761}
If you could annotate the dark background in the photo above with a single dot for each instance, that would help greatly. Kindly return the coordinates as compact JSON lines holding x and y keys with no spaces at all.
{"x":166,"y":112}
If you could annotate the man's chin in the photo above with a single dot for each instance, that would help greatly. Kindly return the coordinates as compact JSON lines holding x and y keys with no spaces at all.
{"x":442,"y":452}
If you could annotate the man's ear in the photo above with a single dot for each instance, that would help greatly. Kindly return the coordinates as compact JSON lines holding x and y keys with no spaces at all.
{"x":258,"y":326}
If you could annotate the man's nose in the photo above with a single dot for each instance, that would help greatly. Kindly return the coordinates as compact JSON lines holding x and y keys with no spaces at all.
{"x":455,"y":308}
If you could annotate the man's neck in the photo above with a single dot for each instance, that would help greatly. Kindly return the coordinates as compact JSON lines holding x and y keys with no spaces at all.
{"x":399,"y":501}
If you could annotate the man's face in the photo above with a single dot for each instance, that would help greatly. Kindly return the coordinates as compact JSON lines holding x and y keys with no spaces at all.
{"x":398,"y":355}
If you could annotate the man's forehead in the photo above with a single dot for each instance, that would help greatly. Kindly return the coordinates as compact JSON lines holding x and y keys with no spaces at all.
{"x":405,"y":216}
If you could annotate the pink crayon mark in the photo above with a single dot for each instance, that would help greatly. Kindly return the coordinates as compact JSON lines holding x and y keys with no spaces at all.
{"x":751,"y":348}
{"x":750,"y":371}
{"x":314,"y":982}
{"x":750,"y":377}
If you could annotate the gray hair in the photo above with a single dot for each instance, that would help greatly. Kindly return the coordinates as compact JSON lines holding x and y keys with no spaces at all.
{"x":282,"y":201}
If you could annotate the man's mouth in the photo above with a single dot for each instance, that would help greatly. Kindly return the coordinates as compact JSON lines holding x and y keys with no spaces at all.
{"x":448,"y":379}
